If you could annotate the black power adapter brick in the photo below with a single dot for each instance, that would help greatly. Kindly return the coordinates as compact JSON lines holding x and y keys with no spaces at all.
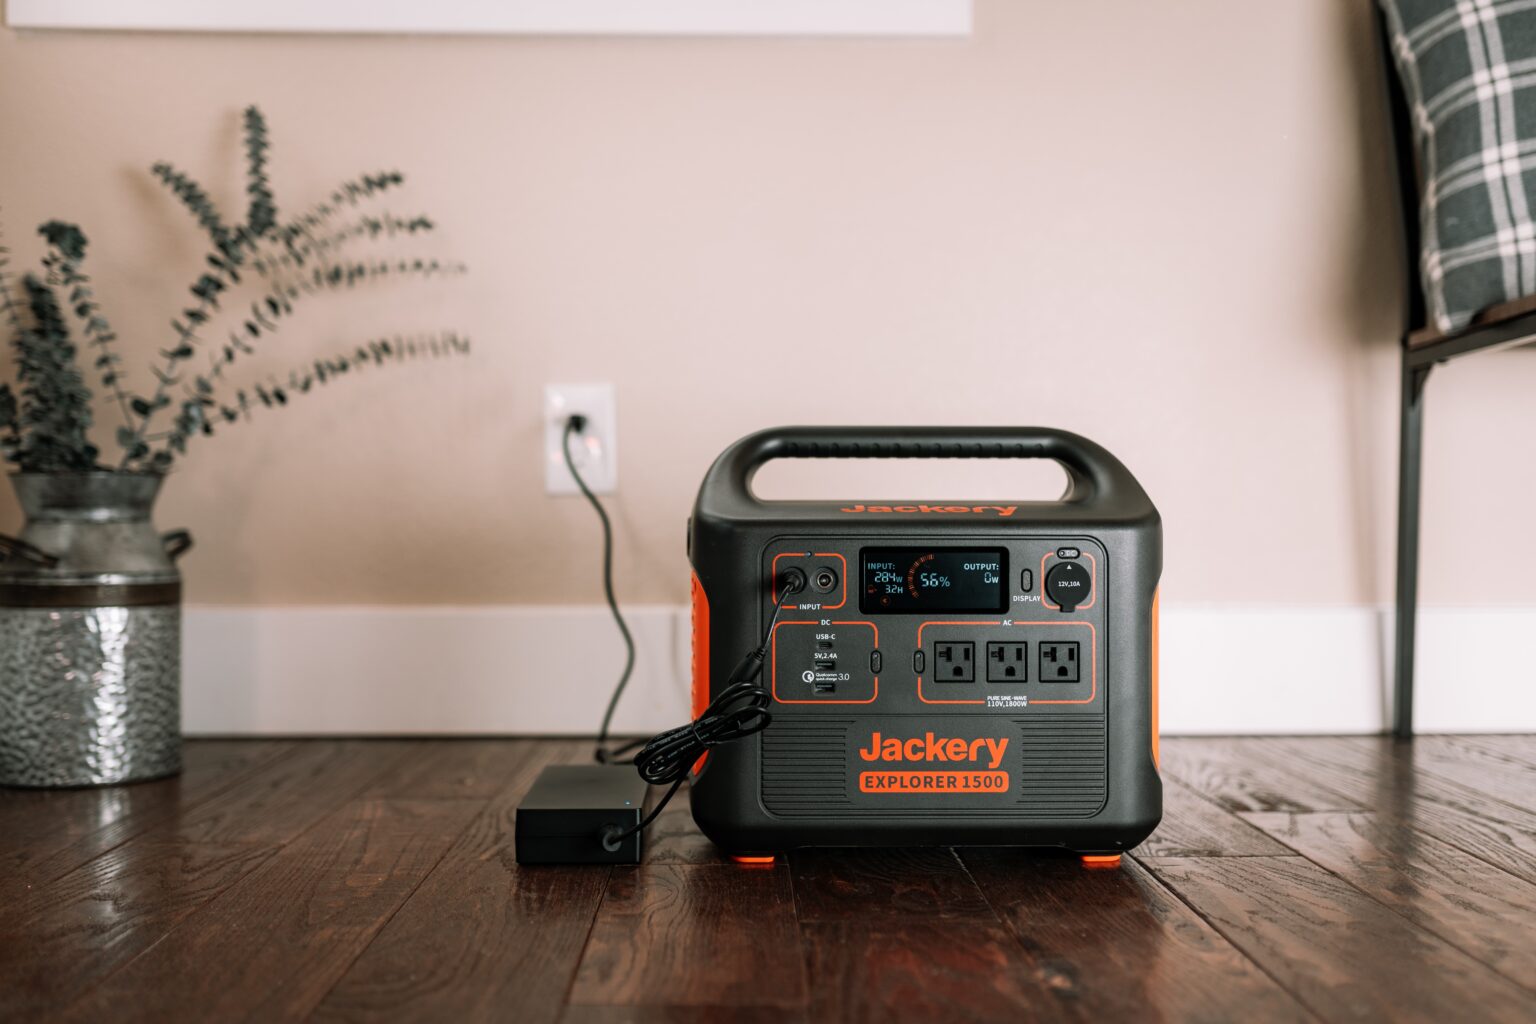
{"x":575,"y":813}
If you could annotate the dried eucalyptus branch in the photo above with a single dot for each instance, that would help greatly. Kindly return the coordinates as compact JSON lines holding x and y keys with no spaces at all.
{"x":294,"y":255}
{"x":196,"y":200}
{"x":10,"y":426}
{"x":68,"y":243}
{"x":261,"y":216}
{"x":54,"y":418}
{"x":277,"y":392}
{"x":7,"y":303}
{"x":294,"y":259}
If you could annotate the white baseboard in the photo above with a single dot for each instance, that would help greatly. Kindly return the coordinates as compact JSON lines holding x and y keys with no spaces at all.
{"x":550,"y":670}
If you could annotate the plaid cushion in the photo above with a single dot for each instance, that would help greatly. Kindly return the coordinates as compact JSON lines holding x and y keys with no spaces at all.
{"x":1468,"y":69}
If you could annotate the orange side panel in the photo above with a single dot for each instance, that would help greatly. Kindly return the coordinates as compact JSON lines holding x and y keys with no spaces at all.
{"x":700,"y":647}
{"x":753,"y":860}
{"x":1156,"y":596}
{"x":700,"y":605}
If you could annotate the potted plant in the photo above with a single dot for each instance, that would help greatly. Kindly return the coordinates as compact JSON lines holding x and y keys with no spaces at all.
{"x":90,"y":596}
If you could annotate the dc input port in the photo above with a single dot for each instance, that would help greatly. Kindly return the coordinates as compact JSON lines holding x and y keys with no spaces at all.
{"x":824,"y":580}
{"x":792,"y":581}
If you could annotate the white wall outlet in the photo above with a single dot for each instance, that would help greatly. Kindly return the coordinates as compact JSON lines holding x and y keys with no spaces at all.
{"x":595,"y":450}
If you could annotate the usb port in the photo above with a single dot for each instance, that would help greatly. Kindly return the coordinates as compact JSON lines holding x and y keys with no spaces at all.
{"x":825,"y":645}
{"x":825,"y":664}
{"x":823,"y":687}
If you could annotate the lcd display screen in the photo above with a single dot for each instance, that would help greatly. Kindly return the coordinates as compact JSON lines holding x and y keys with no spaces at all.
{"x":933,"y":580}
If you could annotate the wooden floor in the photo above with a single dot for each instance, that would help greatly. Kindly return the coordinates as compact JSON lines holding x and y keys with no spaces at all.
{"x":1292,"y":879}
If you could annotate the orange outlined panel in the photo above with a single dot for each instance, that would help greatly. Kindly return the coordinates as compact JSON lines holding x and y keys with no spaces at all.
{"x":773,"y":663}
{"x":1093,"y":649}
{"x":1093,"y":581}
{"x":773,"y":583}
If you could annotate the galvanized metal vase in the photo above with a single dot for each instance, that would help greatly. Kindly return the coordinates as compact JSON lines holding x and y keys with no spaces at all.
{"x":90,"y":634}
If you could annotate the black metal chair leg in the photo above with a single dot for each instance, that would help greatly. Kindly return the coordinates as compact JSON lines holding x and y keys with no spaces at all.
{"x":1410,"y":458}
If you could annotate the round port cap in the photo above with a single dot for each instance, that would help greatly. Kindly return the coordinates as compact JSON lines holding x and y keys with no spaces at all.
{"x":1068,"y":584}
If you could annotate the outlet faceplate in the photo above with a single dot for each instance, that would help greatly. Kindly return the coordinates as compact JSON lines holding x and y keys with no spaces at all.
{"x":595,"y":450}
{"x":1007,"y":661}
{"x":1059,"y":662}
{"x":954,"y":661}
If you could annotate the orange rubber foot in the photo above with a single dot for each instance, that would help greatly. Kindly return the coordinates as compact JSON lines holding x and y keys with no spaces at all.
{"x":1100,"y":860}
{"x":753,"y":860}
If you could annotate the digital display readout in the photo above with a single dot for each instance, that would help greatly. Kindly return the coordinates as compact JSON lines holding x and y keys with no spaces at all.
{"x":933,"y":580}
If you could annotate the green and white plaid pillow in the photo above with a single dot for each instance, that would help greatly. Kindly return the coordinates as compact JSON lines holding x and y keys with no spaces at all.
{"x":1468,"y":69}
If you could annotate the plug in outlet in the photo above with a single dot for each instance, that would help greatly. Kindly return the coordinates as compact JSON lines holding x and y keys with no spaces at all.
{"x":594,"y":450}
{"x":1059,"y":662}
{"x":954,"y":662}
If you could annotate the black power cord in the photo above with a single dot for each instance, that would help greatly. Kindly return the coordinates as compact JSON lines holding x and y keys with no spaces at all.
{"x":739,"y":711}
{"x":574,"y":426}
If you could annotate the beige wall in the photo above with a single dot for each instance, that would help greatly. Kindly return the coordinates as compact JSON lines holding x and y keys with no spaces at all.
{"x":1166,"y":226}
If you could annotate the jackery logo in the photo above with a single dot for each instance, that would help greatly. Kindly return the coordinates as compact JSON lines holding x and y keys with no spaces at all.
{"x":929,"y":748}
{"x":1001,"y":511}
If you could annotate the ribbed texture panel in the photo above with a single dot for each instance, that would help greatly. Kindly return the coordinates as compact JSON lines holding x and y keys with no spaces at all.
{"x":805,"y":765}
{"x":1064,"y":772}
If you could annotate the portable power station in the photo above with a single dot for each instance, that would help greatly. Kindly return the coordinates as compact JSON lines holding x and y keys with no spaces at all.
{"x":949,"y":672}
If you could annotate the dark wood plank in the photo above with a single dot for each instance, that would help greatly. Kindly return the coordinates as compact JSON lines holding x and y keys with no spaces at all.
{"x":1497,"y":832}
{"x":263,"y":808}
{"x":277,"y":804}
{"x":109,"y":910}
{"x":1117,"y":945}
{"x":1193,"y":826}
{"x":46,"y":833}
{"x":699,"y":935}
{"x":681,"y":1015}
{"x":1368,"y":775}
{"x":1521,"y":747}
{"x":938,"y":969}
{"x":1490,"y":771}
{"x":1345,"y":956}
{"x":1390,"y":775}
{"x":1482,"y":910}
{"x":274,"y":943}
{"x":482,"y":938}
{"x":453,"y":769}
{"x":873,"y":884}
{"x":1241,"y":775}
{"x":102,"y":916}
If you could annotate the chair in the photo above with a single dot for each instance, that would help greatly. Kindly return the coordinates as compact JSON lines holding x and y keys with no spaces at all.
{"x":1506,"y":325}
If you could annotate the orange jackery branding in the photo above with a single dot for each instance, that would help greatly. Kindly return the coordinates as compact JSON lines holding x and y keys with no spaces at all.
{"x":933,"y":748}
{"x":1001,"y":511}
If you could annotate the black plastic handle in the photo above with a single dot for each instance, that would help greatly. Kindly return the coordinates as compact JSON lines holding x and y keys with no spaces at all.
{"x":14,"y":547}
{"x":177,"y":543}
{"x":1093,"y":473}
